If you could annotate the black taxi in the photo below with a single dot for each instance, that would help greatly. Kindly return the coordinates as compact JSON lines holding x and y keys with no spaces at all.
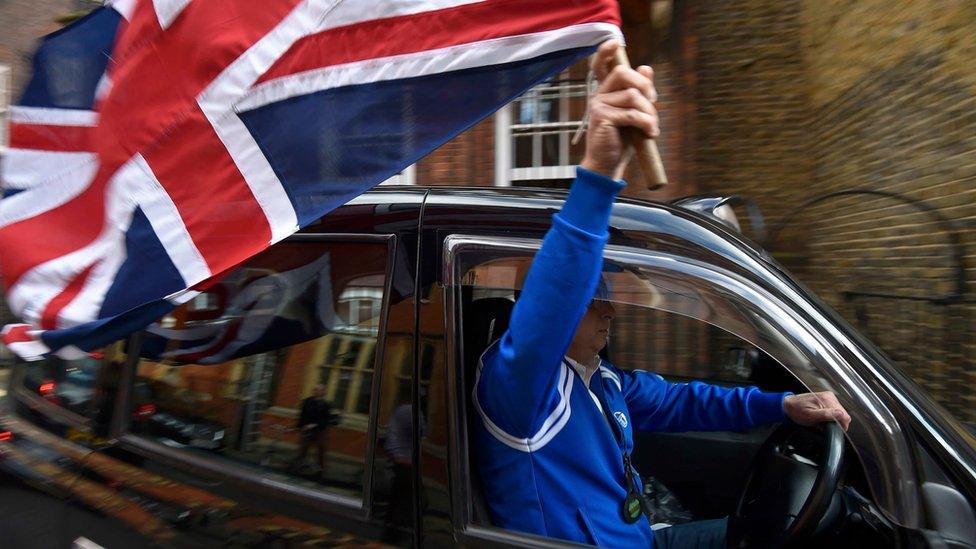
{"x":195,"y":432}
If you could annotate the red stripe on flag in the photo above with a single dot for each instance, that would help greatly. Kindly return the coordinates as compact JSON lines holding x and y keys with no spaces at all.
{"x":221,"y":214}
{"x":57,"y":232}
{"x":50,"y":138}
{"x":156,"y":77}
{"x":437,"y":29}
{"x":49,"y":318}
{"x":159,"y":74}
{"x":18,"y":333}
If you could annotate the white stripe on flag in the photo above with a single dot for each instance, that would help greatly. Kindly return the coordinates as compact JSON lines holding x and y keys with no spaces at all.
{"x":52,"y":116}
{"x":350,"y":13}
{"x":181,"y":297}
{"x":218,"y":99}
{"x":106,"y":254}
{"x":86,"y":305}
{"x":168,"y":10}
{"x":141,"y":183}
{"x":124,"y":7}
{"x":27,"y":168}
{"x":30,"y":350}
{"x":259,"y":175}
{"x":47,"y":194}
{"x":103,"y":87}
{"x":465,"y":56}
{"x":135,"y":185}
{"x":37,"y":287}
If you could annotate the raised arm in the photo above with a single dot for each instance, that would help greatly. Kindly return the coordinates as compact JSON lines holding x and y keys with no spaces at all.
{"x":519,"y":389}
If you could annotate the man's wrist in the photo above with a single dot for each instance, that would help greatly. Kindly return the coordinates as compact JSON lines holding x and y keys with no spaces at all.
{"x":597,"y":167}
{"x":786,"y":398}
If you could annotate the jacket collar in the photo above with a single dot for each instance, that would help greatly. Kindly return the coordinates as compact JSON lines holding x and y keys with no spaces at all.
{"x":584,"y":372}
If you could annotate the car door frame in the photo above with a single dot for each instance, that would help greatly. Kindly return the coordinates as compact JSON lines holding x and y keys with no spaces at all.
{"x":253,"y":483}
{"x":455,"y":244}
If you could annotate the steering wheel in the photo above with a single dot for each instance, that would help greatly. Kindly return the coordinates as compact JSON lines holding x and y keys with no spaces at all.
{"x":790,"y":486}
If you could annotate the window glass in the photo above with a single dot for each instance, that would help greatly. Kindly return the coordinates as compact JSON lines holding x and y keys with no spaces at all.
{"x":687,"y":319}
{"x":86,"y":387}
{"x":272,"y":367}
{"x":643,"y":336}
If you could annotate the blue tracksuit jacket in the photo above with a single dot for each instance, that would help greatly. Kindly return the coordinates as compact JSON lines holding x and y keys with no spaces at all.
{"x":549,"y":462}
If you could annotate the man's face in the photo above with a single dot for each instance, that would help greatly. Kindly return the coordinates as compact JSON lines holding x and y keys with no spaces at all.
{"x":594,"y":329}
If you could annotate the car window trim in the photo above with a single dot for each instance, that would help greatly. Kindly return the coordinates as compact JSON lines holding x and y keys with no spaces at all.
{"x":455,"y":244}
{"x":481,"y":536}
{"x":240,"y":476}
{"x":358,"y":507}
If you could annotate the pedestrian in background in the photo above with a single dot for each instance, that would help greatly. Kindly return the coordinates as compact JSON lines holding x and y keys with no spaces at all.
{"x":314,"y":420}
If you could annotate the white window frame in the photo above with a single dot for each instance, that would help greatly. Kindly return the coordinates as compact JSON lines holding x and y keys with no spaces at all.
{"x":505,"y":130}
{"x":407,"y":177}
{"x":5,"y":91}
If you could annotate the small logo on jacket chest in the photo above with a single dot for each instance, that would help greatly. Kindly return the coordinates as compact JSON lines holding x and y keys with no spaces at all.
{"x":621,"y":419}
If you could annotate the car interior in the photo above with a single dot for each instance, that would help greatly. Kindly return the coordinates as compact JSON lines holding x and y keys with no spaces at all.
{"x":704,"y":475}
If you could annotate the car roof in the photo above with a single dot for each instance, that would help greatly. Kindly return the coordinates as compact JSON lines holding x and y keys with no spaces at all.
{"x":634,"y":214}
{"x":527,"y":212}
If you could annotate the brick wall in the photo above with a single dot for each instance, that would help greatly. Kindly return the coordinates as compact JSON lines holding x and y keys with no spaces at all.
{"x":796,"y":99}
{"x":751,"y":136}
{"x":468,"y":159}
{"x":891,"y":91}
{"x":24,"y":21}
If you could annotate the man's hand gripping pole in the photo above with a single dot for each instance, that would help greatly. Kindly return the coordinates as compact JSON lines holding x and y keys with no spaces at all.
{"x":645,"y":149}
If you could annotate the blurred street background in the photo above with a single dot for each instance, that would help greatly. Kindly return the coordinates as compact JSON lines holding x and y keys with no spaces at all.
{"x":847,"y":128}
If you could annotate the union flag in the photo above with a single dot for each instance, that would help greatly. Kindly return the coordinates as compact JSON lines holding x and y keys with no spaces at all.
{"x":160,"y":143}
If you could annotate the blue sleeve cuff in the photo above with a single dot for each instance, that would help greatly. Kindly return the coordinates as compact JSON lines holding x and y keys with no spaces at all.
{"x":767,"y":407}
{"x":590,"y":200}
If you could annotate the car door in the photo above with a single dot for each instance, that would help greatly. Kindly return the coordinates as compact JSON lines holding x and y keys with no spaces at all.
{"x":212,"y":448}
{"x":693,"y":319}
{"x":214,"y":442}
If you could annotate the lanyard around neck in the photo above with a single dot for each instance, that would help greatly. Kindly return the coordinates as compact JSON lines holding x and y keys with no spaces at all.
{"x":633,"y":505}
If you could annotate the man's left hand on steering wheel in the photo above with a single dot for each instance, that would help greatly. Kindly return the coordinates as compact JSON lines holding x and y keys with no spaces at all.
{"x":791,"y":483}
{"x":809,"y":409}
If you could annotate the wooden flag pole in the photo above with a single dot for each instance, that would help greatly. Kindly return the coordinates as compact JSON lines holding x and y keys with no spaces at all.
{"x":645,"y":149}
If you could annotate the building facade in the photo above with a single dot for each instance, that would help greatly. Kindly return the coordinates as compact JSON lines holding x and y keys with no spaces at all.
{"x":849,"y":124}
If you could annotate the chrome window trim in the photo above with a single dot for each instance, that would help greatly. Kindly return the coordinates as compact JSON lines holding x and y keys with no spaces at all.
{"x":907,"y":509}
{"x":357,"y":507}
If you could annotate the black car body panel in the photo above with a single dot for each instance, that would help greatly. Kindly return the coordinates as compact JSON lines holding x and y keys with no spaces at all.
{"x":90,"y":472}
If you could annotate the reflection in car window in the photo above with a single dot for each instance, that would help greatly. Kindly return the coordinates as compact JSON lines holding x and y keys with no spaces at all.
{"x":272,"y":367}
{"x":85,"y":386}
{"x":643,"y":336}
